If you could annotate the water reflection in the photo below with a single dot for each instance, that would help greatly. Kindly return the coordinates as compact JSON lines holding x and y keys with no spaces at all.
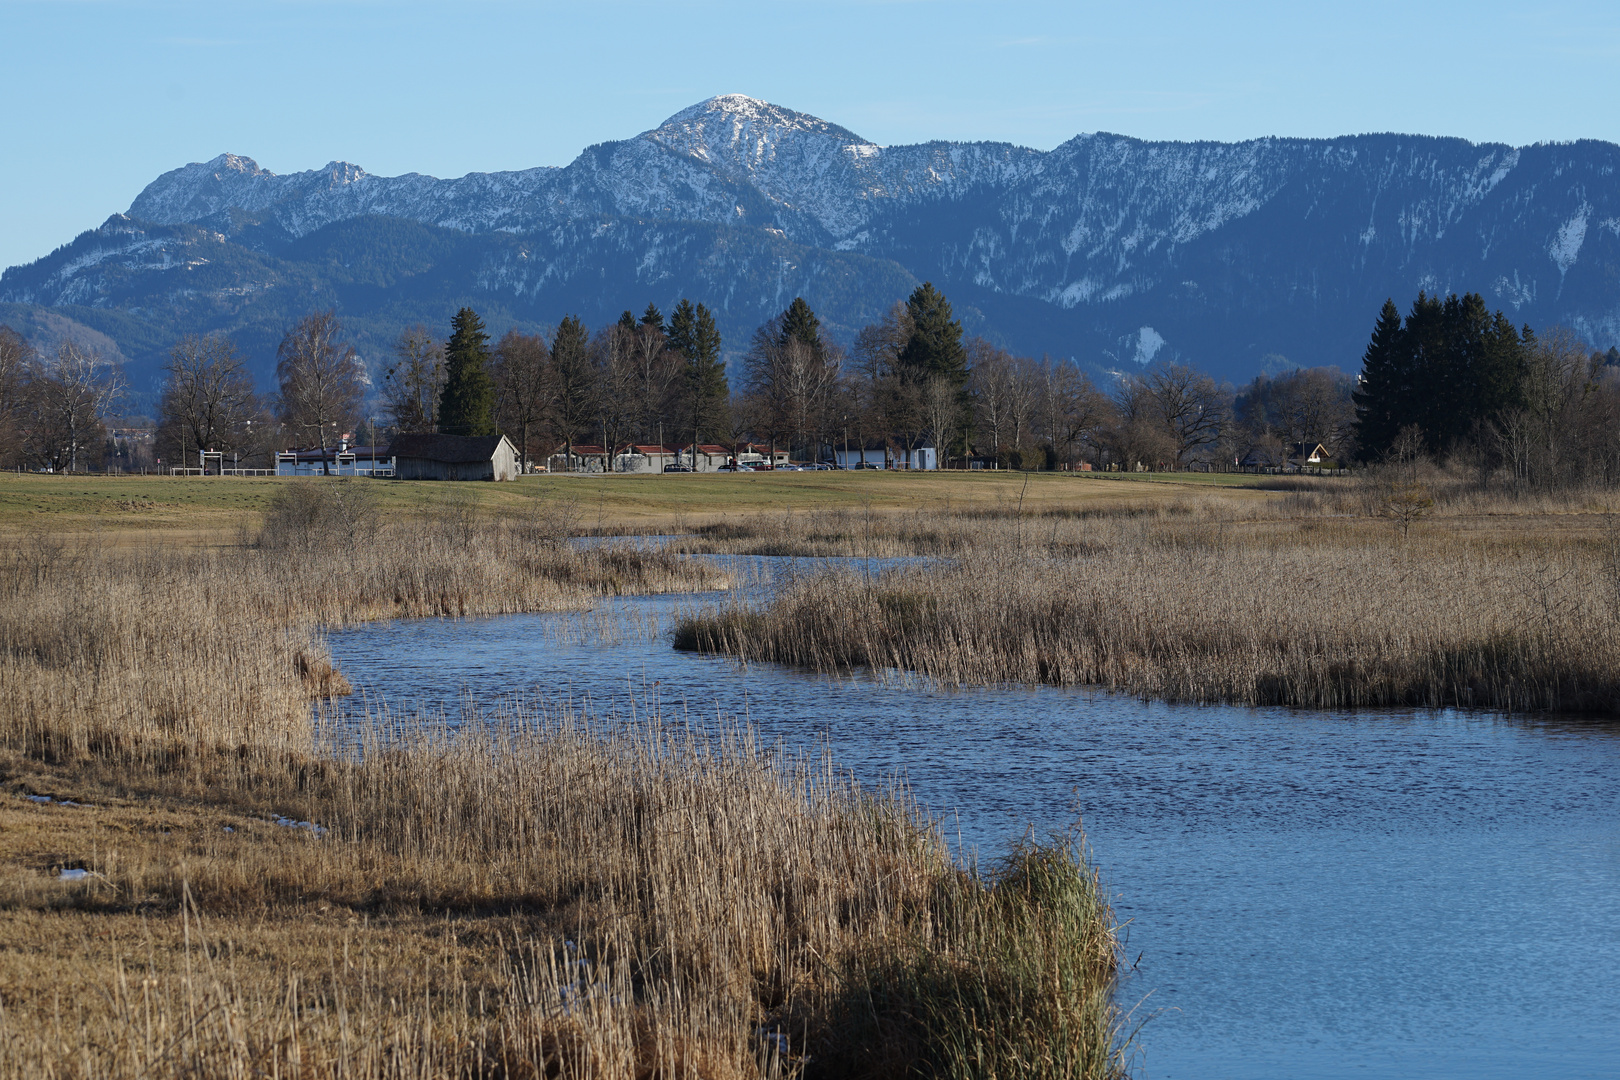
{"x":1409,"y":894}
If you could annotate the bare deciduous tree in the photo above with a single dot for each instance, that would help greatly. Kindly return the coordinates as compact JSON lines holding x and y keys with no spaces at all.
{"x":656,"y":373}
{"x":1072,"y":411}
{"x":412,"y":385}
{"x":1189,"y":404}
{"x":791,"y":384}
{"x":942,"y":412}
{"x":990,"y":380}
{"x":322,"y":380}
{"x":15,"y":357}
{"x":208,"y":402}
{"x":522,"y":385}
{"x":617,"y":363}
{"x":68,"y":393}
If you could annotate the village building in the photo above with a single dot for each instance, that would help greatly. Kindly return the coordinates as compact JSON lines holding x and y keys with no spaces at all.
{"x":454,"y":457}
{"x":580,"y":457}
{"x":642,"y":458}
{"x":707,"y":458}
{"x":760,"y":456}
{"x":895,"y":453}
{"x":339,"y":460}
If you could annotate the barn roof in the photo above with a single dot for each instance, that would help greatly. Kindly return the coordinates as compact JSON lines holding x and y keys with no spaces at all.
{"x":452,"y":449}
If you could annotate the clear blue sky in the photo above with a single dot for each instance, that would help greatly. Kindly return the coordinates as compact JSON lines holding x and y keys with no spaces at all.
{"x":97,"y":97}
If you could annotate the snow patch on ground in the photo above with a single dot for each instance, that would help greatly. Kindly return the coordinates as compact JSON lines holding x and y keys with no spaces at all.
{"x":1078,"y":292}
{"x":1148,"y":343}
{"x":54,"y":801}
{"x":289,"y":823}
{"x":1566,"y":245}
{"x":1513,"y":291}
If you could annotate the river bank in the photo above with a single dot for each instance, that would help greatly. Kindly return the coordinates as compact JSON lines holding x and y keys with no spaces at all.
{"x":549,"y":893}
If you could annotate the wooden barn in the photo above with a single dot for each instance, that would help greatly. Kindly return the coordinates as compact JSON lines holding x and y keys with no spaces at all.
{"x":454,"y":457}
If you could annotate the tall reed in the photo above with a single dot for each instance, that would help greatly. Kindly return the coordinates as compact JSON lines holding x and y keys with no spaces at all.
{"x":689,"y":905}
{"x":163,"y":652}
{"x":1295,"y":604}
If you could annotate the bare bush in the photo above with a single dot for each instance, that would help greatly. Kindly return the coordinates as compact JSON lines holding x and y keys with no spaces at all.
{"x":327,"y":515}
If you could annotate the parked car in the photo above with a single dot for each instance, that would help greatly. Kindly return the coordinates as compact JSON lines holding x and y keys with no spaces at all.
{"x":735,"y":468}
{"x":674,"y":467}
{"x":867,"y":465}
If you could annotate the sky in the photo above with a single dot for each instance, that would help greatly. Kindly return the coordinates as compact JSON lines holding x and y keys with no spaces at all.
{"x":99,"y":97}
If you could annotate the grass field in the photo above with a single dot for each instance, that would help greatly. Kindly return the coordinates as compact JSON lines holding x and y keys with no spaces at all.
{"x":202,"y":507}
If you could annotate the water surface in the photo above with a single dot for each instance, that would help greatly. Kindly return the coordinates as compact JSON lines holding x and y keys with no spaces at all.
{"x":1309,"y":894}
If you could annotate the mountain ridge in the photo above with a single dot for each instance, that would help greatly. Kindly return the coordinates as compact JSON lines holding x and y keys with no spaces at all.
{"x":1112,"y":249}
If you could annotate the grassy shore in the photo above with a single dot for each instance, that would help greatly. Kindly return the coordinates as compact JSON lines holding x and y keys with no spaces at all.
{"x":537,"y":894}
{"x":196,"y":509}
{"x":1318,"y":598}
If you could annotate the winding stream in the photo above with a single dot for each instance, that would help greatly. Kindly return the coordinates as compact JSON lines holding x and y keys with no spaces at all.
{"x":1309,"y":894}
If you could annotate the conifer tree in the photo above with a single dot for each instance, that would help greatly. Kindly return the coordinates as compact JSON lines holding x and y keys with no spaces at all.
{"x":467,"y":404}
{"x":693,"y":335}
{"x":799,"y":323}
{"x":934,"y":354}
{"x":653,"y":318}
{"x":1450,"y":367}
{"x":1380,"y":397}
{"x":935,"y":347}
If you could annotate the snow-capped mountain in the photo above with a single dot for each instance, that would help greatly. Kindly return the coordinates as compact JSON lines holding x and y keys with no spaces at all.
{"x":1111,"y":249}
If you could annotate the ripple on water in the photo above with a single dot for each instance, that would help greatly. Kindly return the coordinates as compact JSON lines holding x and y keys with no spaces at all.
{"x":1410,"y":893}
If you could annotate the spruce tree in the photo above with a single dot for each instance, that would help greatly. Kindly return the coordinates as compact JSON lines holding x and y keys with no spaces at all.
{"x":1378,"y":396}
{"x":1427,"y":365}
{"x":653,"y":318}
{"x":935,"y":347}
{"x":627,"y":322}
{"x":799,"y":323}
{"x":467,"y":403}
{"x":935,"y":350}
{"x":693,"y":335}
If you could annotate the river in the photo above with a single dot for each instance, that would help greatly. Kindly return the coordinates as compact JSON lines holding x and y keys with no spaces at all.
{"x":1408,"y":893}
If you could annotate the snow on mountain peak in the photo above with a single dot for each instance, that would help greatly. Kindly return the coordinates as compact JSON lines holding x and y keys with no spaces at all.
{"x":738,"y":127}
{"x":233,"y":163}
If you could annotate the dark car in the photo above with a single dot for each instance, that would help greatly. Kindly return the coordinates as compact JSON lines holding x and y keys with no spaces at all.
{"x":674,"y":467}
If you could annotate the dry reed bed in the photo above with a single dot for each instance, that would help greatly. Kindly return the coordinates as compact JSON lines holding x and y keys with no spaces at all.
{"x":535,"y":897}
{"x":163,"y":651}
{"x":1296,"y":602}
{"x":695,"y":909}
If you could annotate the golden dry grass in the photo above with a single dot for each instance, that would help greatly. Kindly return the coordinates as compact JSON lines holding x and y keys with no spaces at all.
{"x":1312,"y":599}
{"x":535,"y":895}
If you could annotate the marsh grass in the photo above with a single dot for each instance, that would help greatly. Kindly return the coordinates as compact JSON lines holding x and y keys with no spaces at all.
{"x":541,"y":894}
{"x":531,"y":893}
{"x":1310,"y":598}
{"x":157,"y":653}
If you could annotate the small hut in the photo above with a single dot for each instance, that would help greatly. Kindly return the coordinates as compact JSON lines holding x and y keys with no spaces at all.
{"x":454,"y":457}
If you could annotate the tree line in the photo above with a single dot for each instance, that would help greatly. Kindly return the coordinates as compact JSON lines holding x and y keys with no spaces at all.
{"x":912,"y":378}
{"x":1450,"y":379}
{"x":1456,"y":381}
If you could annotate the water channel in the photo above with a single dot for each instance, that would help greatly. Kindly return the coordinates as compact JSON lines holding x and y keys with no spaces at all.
{"x":1398,"y":893}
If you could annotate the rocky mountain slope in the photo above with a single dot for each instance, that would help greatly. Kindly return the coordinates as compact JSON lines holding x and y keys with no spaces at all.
{"x":1110,"y":249}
